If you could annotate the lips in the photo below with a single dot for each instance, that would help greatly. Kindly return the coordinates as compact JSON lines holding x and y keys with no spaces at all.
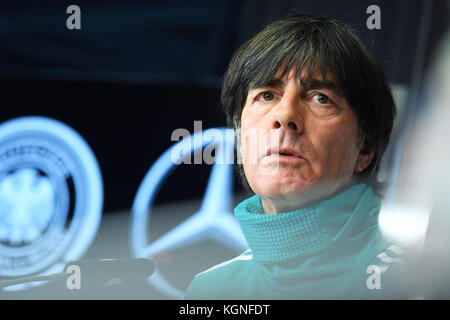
{"x":286,"y":152}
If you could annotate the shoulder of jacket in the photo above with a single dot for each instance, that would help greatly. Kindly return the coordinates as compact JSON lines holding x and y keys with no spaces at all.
{"x":386,"y":271}
{"x":245,"y":256}
{"x":217,"y":281}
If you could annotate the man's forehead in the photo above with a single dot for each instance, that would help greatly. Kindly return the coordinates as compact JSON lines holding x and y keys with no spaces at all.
{"x":307,"y":78}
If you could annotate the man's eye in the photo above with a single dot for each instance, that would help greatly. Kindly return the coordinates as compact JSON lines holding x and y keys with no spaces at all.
{"x":321,"y":98}
{"x":267,"y":96}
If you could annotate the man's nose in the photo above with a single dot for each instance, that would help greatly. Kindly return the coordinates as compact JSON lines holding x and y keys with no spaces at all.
{"x":287,"y":113}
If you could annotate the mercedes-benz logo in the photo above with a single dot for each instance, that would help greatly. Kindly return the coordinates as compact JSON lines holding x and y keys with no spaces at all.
{"x":213,"y":221}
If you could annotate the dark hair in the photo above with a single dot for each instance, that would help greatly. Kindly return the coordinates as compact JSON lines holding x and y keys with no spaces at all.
{"x":307,"y":43}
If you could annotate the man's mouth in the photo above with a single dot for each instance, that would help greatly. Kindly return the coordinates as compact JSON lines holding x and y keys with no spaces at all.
{"x":285,"y":152}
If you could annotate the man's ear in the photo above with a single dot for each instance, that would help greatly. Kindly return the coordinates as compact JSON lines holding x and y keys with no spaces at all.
{"x":364,"y":158}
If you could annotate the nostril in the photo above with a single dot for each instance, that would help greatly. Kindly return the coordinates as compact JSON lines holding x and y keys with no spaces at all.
{"x":292,"y":125}
{"x":277,"y":125}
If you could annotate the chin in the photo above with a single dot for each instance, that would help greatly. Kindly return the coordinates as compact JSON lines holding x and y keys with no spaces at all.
{"x":271,"y":188}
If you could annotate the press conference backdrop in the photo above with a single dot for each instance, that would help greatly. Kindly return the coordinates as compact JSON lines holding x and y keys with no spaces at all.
{"x":136,"y":71}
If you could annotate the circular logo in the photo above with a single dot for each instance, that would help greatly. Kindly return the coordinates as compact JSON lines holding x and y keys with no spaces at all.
{"x":51,"y":196}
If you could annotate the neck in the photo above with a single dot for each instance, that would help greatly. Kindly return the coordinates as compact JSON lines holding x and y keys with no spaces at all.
{"x":275,"y":238}
{"x":276,"y":205}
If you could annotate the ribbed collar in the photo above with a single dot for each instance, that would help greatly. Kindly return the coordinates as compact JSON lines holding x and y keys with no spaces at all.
{"x":283,"y":236}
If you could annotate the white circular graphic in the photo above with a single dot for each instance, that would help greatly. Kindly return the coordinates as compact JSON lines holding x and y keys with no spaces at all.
{"x":51,"y":196}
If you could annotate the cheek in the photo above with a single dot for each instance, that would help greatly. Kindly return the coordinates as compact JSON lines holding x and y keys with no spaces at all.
{"x":250,"y":135}
{"x":245,"y":148}
{"x":248,"y":120}
{"x":337,"y":146}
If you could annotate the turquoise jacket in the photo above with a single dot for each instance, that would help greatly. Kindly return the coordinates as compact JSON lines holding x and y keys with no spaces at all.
{"x":330,"y":250}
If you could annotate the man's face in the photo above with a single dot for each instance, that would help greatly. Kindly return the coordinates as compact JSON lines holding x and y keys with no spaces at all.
{"x":314,"y":147}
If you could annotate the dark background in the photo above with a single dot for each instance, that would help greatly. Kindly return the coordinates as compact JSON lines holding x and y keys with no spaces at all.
{"x":137,"y":70}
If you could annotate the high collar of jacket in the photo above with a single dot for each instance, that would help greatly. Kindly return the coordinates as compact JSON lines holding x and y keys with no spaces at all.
{"x":306,"y":231}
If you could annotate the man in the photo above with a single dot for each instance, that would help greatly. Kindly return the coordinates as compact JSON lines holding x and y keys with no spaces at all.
{"x":312,"y":224}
